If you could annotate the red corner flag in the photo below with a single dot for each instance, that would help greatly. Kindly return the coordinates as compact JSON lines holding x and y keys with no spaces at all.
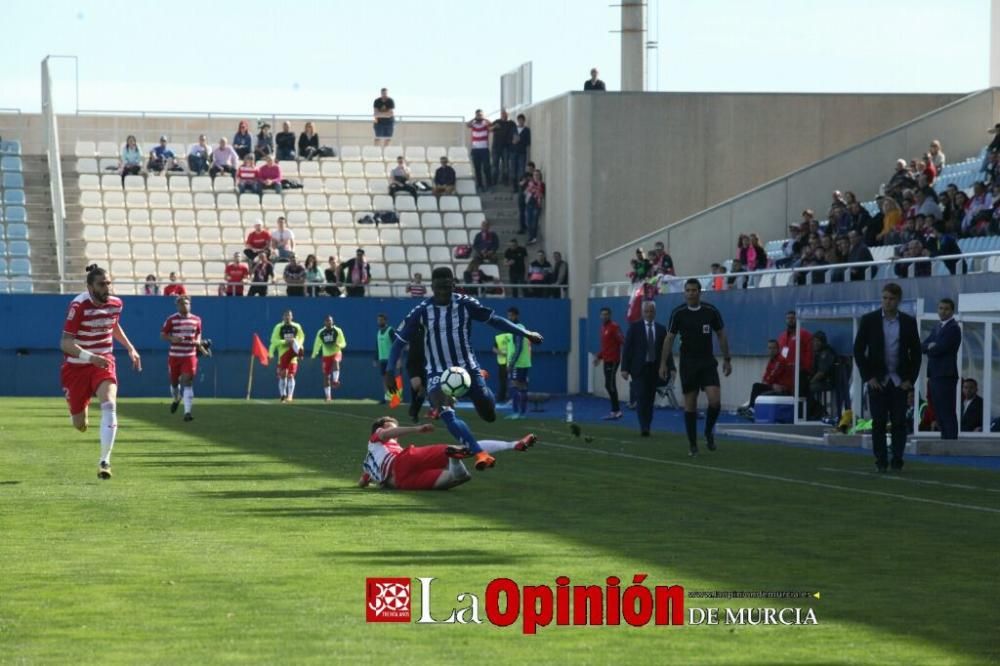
{"x":259,"y":350}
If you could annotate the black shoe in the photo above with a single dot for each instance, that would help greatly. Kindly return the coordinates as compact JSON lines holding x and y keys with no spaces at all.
{"x":693,"y":451}
{"x":173,"y":406}
{"x":710,"y":441}
{"x":880,"y":469}
{"x":644,"y":433}
{"x":896,"y":466}
{"x":188,"y":417}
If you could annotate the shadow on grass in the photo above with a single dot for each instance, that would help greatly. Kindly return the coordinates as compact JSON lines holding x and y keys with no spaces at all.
{"x":215,"y":478}
{"x":449,"y":557}
{"x":877,"y":561}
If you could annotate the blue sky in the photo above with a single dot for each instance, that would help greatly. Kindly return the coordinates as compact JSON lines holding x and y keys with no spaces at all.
{"x":446,"y":58}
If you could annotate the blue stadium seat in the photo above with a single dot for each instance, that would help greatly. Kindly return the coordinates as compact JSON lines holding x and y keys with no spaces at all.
{"x":3,"y":247}
{"x":11,"y":163}
{"x":19,"y":249}
{"x":3,"y":266}
{"x":19,"y":266}
{"x":13,"y":180}
{"x":17,"y":231}
{"x":10,"y":147}
{"x":16,"y":214}
{"x":991,"y":244}
{"x":21,"y":286}
{"x":13,"y":197}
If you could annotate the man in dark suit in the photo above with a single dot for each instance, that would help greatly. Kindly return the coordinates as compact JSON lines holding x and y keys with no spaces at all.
{"x":887,"y":353}
{"x":972,"y":406}
{"x":641,"y":362}
{"x":941,"y":347}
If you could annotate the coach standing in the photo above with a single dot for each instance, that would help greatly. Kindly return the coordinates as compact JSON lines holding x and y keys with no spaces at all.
{"x":641,"y":361}
{"x":887,"y":353}
{"x":941,"y":347}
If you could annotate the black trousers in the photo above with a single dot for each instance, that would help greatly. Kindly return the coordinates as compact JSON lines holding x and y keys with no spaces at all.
{"x":502,"y":382}
{"x":611,"y":384}
{"x":258,"y":290}
{"x":645,"y":392}
{"x":758,"y":390}
{"x":417,"y":399}
{"x":942,"y":390}
{"x":888,"y":405}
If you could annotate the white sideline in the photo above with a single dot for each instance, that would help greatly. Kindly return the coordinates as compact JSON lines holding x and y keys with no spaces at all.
{"x":721,"y":470}
{"x":930,"y":482}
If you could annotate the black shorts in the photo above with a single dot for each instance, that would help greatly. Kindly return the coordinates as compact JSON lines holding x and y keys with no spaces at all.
{"x":698,"y":373}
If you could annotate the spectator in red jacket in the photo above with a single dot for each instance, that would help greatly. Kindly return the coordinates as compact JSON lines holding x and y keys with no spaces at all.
{"x":258,"y":241}
{"x":236,"y":274}
{"x":175,"y":288}
{"x":610,"y":354}
{"x":778,"y":379}
{"x":788,"y":346}
{"x":269,"y":175}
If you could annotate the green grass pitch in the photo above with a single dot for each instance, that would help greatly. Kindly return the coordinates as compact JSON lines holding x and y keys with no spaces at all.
{"x":243,"y":538}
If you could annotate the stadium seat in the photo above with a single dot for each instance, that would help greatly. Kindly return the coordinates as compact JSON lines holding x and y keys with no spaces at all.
{"x":350,"y":154}
{"x":332,"y":169}
{"x":448,"y":203}
{"x":419,"y":171}
{"x":14,"y":198}
{"x":345,"y":236}
{"x":209,"y":235}
{"x":427,"y":204}
{"x":454,"y":221}
{"x":119,"y":251}
{"x":11,"y":163}
{"x":361,"y":202}
{"x":434,"y":153}
{"x":312,"y":186}
{"x":316,"y":202}
{"x":198,"y":184}
{"x":463,"y":170}
{"x":339,"y":202}
{"x":106,"y":165}
{"x":13,"y":181}
{"x":375,"y":170}
{"x":389,"y":236}
{"x":15,"y":213}
{"x":111,"y":181}
{"x":383,"y":202}
{"x":3,"y":270}
{"x":375,"y":154}
{"x":409,"y":220}
{"x":135,"y":184}
{"x":96,"y":252}
{"x":159,"y":200}
{"x":393,"y":253}
{"x":422,"y":268}
{"x":294,"y":201}
{"x":184,"y":201}
{"x":161,"y":217}
{"x":405,"y":204}
{"x":289,"y":168}
{"x":116,"y":233}
{"x":142,"y":251}
{"x":223,"y":183}
{"x":166,"y":251}
{"x":458,"y":154}
{"x":85,"y":149}
{"x":378,"y":271}
{"x":465,"y":187}
{"x":136,"y":200}
{"x":107,"y":149}
{"x":457,"y":237}
{"x":342,"y":219}
{"x":413,"y":237}
{"x":115,"y":216}
{"x":439,"y":255}
{"x":87,"y":165}
{"x":17,"y":231}
{"x":397,"y":271}
{"x":249,"y":202}
{"x":416,"y":253}
{"x":163,"y":234}
{"x":322,"y":235}
{"x":19,"y":266}
{"x":472,"y":204}
{"x":434,"y":237}
{"x":415,"y":154}
{"x":357,"y":186}
{"x":139,"y":217}
{"x":378,"y":186}
{"x":159,"y":183}
{"x":92,"y":216}
{"x":91,"y":199}
{"x":93,"y":233}
{"x":334,"y":186}
{"x":231,"y":201}
{"x":353,"y":170}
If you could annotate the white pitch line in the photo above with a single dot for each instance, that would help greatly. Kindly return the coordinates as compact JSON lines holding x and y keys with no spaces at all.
{"x":963,"y":486}
{"x":721,"y":470}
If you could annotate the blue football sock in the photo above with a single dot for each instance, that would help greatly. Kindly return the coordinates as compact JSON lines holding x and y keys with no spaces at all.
{"x":515,"y":400}
{"x":523,"y":393}
{"x":459,"y":430}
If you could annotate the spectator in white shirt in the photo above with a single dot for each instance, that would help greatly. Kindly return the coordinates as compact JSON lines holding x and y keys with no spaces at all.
{"x":198,"y":156}
{"x":282,"y":241}
{"x":224,"y":158}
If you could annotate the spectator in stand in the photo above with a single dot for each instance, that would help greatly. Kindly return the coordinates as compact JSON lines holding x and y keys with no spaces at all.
{"x":808,"y":218}
{"x":539,"y":273}
{"x":485,"y":244}
{"x":960,"y":203}
{"x":520,"y":146}
{"x":515,"y":257}
{"x":594,"y":83}
{"x":151,"y":288}
{"x":612,"y":339}
{"x":778,"y":379}
{"x":503,"y":135}
{"x":981,"y":200}
{"x":642,"y":267}
{"x":130,"y":163}
{"x":926,"y":171}
{"x":522,"y":197}
{"x":236,"y":276}
{"x":246,"y":176}
{"x":224,"y":159}
{"x":314,"y":278}
{"x":385,"y":117}
{"x":269,"y":175}
{"x":480,"y":153}
{"x":161,"y":158}
{"x":753,"y":256}
{"x":859,"y":219}
{"x":265,"y":142}
{"x":258,"y":242}
{"x":444,"y":178}
{"x":560,"y":276}
{"x":840,"y":220}
{"x":892,"y":217}
{"x":198,"y":155}
{"x":332,"y":275}
{"x":842,"y":249}
{"x":972,"y":405}
{"x":534,"y":201}
{"x":737,"y":281}
{"x":416,"y":288}
{"x":174,"y":288}
{"x":943,"y":244}
{"x":261,"y":275}
{"x":859,"y":252}
{"x":818,"y":274}
{"x":718,"y":281}
{"x":472,"y":278}
{"x":992,"y":166}
{"x":284,"y":142}
{"x":791,"y":248}
{"x":282,"y":241}
{"x":243,"y":140}
{"x":295,"y":277}
{"x":356,"y":273}
{"x":913,"y":250}
{"x":901,"y":180}
{"x":937,"y":157}
{"x":309,"y":142}
{"x":399,"y":179}
{"x":926,"y":202}
{"x":660,"y":260}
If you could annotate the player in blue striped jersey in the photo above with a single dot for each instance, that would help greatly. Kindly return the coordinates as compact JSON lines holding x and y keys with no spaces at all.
{"x":447,"y":319}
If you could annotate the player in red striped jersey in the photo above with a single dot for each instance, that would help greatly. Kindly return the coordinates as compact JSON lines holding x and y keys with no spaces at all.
{"x":183,"y":331}
{"x":89,"y":364}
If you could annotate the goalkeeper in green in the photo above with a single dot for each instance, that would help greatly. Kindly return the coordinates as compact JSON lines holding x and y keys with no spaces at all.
{"x":330,"y":342}
{"x":287,"y":344}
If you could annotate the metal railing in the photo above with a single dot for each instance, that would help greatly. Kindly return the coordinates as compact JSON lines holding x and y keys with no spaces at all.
{"x":758,"y":279}
{"x":51,"y":144}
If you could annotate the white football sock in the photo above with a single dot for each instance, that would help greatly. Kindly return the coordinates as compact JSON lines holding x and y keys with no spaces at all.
{"x":291,"y":387}
{"x":188,"y":398}
{"x":109,"y":428}
{"x":326,"y":391}
{"x":492,"y":446}
{"x":282,"y":387}
{"x":175,"y":392}
{"x":336,"y":375}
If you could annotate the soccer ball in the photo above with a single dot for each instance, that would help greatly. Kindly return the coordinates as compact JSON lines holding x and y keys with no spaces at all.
{"x":455,"y":382}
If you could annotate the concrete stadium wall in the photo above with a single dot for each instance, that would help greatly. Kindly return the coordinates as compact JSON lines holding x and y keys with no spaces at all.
{"x":768,"y":209}
{"x":30,"y":357}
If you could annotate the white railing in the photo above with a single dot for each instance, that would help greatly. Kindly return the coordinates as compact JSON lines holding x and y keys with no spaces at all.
{"x":51,"y":144}
{"x":770,"y":277}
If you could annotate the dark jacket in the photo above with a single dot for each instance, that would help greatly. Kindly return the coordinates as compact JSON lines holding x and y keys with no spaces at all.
{"x":859,"y":253}
{"x":869,"y":347}
{"x":972,"y":417}
{"x":348,"y":266}
{"x":634,"y":351}
{"x":942,"y":358}
{"x":305,"y":143}
{"x":415,"y":360}
{"x":523,"y":141}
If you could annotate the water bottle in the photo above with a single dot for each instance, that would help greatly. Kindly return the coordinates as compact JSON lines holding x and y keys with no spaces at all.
{"x":569,"y":411}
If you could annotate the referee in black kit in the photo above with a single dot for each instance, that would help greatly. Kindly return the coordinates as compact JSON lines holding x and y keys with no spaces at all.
{"x":695,"y":321}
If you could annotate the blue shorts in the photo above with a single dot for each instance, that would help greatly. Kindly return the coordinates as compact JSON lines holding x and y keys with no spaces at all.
{"x":520,"y":374}
{"x":477,"y":392}
{"x":383,"y":128}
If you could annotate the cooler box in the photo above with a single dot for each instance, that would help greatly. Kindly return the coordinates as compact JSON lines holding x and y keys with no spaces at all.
{"x":774,"y":409}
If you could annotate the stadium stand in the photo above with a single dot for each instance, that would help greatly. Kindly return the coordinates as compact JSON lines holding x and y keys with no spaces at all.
{"x":15,"y":242}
